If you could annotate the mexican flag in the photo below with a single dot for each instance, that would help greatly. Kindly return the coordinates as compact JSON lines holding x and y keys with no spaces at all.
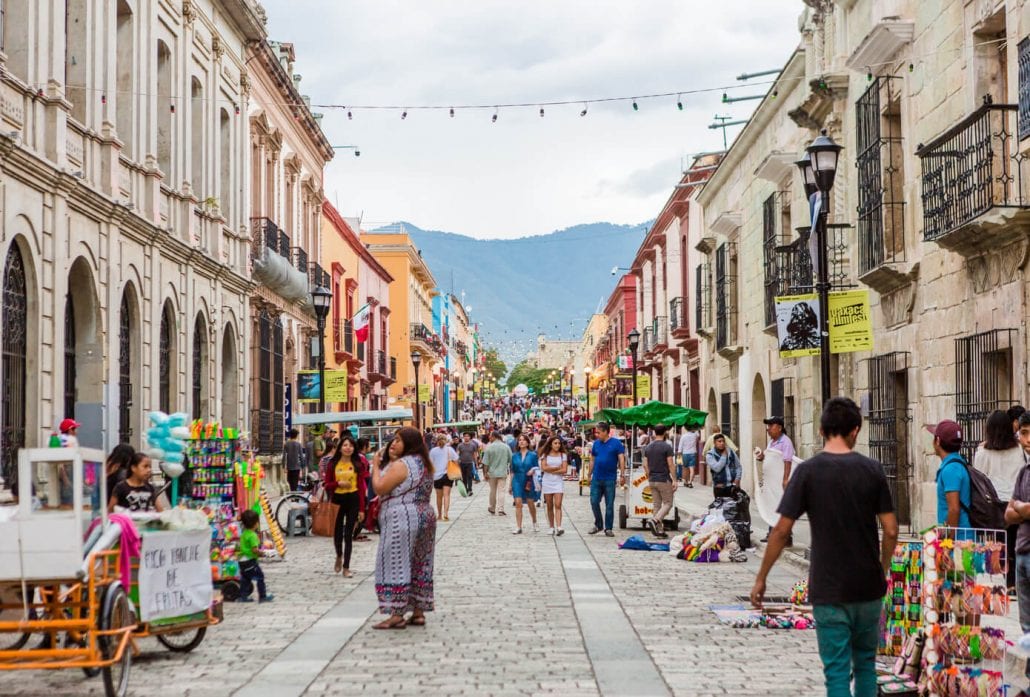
{"x":360,"y":322}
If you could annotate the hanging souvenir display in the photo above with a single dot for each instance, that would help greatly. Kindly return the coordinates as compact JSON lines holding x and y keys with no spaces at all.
{"x":903,"y":601}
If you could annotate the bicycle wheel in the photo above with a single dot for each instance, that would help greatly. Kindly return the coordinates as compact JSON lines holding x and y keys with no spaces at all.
{"x":116,"y":612}
{"x":184,"y":641}
{"x":12,"y":641}
{"x":282,"y":509}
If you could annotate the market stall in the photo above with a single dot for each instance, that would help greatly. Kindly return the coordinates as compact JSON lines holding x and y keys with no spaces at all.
{"x":637,"y":502}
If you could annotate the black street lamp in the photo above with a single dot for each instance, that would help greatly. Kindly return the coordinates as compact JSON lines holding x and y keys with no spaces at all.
{"x":634,"y":343}
{"x":416,"y":360}
{"x":819,"y":169}
{"x":321,"y":298}
{"x":586,"y":373}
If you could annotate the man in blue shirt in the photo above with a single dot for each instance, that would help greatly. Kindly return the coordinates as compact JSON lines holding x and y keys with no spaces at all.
{"x":953,"y":483}
{"x":609,"y":465}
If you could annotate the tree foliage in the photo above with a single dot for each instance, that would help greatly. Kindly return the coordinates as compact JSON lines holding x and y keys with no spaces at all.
{"x":529,"y":375}
{"x":494,"y":364}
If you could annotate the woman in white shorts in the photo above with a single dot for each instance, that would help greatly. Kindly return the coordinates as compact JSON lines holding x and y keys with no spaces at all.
{"x":554,"y":464}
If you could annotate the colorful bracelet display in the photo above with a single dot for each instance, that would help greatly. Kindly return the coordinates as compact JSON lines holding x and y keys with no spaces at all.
{"x":954,"y":681}
{"x":903,"y":610}
{"x":969,"y":556}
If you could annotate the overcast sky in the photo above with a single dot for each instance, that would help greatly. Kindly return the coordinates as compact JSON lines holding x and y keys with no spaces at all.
{"x":524,"y":175}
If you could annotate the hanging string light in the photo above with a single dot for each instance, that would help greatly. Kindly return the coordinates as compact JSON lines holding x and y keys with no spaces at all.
{"x":679,"y":102}
{"x":541,"y":112}
{"x":584,"y":112}
{"x":494,"y":119}
{"x":635,"y":107}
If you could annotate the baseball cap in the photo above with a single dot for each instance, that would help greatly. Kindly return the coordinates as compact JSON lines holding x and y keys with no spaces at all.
{"x":69,"y":424}
{"x":948,"y":431}
{"x":778,"y":420}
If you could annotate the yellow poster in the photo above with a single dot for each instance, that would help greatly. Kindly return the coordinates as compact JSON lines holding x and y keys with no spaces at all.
{"x":851,"y":328}
{"x":335,"y":386}
{"x":643,"y":386}
{"x":797,"y":325}
{"x":423,"y":394}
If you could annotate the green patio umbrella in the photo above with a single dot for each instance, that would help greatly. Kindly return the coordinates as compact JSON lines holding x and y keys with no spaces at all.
{"x":654,"y":413}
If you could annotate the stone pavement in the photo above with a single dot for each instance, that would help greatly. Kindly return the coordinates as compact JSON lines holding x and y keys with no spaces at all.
{"x":516,"y":615}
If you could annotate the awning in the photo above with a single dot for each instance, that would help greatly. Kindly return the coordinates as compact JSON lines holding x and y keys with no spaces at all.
{"x":345,"y":417}
{"x":457,"y":424}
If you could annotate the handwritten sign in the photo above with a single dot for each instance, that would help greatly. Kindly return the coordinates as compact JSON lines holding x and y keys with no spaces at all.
{"x":174,"y":574}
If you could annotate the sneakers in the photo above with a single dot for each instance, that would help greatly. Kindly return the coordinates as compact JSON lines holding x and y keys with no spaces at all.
{"x":594,"y":530}
{"x":650,"y":524}
{"x":267,"y":599}
{"x":536,"y":528}
{"x":491,"y":511}
{"x":501,"y":513}
{"x":516,"y":531}
{"x":549,"y":531}
{"x":560,"y":532}
{"x":609,"y":533}
{"x":244,"y":599}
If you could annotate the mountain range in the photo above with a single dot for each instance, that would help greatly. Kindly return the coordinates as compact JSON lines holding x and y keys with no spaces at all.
{"x":542,"y":284}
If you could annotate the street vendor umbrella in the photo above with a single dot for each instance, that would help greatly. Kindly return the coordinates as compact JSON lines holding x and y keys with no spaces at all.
{"x":654,"y":413}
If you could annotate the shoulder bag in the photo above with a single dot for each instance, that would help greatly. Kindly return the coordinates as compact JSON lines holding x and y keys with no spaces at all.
{"x":323,"y":515}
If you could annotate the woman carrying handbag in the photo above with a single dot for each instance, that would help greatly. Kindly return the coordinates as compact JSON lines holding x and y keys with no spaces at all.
{"x":343,"y":483}
{"x":445,"y":470}
{"x":524,"y":465}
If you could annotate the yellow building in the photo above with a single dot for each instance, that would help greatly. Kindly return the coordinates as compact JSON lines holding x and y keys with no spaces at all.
{"x":340,"y":260}
{"x":411,"y":319}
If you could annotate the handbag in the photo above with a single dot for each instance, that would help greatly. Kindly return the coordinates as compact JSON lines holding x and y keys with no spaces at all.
{"x":453,"y":470}
{"x":323,"y":517}
{"x":461,"y":488}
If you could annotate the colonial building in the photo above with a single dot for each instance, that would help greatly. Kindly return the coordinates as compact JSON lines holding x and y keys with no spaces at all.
{"x":586,"y":368}
{"x":411,"y":316}
{"x":456,"y":334}
{"x":610,"y":377}
{"x":123,"y":215}
{"x":288,"y":155}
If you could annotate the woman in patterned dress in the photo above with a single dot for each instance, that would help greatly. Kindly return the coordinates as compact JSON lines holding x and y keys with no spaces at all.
{"x":407,"y":531}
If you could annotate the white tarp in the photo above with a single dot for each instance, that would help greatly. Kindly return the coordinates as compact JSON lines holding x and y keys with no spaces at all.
{"x":175,"y":574}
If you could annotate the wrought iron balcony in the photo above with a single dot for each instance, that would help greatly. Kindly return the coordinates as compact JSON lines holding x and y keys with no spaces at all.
{"x":393,"y":369}
{"x":647,"y":340}
{"x":421,"y":333}
{"x":266,"y":234}
{"x":317,"y":276}
{"x":974,"y":188}
{"x":794,"y":274}
{"x":660,"y":333}
{"x":380,"y":363}
{"x":343,"y":336}
{"x":300,"y":259}
{"x":678,"y":321}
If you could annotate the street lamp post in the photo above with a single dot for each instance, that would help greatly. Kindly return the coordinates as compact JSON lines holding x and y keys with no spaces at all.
{"x":586,"y":373}
{"x":416,"y":359}
{"x":819,"y":168}
{"x":321,"y":298}
{"x":634,"y":343}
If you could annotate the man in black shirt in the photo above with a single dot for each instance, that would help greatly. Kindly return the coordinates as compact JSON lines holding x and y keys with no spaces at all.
{"x":844,"y":494}
{"x":660,"y":471}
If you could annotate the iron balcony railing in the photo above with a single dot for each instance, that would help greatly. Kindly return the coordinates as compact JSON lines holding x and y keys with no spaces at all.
{"x":420,"y":332}
{"x":343,"y":336}
{"x":677,"y":315}
{"x":266,"y":234}
{"x":393,"y":368}
{"x":647,"y":340}
{"x":973,"y":167}
{"x":261,"y":423}
{"x":380,"y":363}
{"x":300,"y":259}
{"x":881,"y":177}
{"x":317,"y":276}
{"x":661,"y":331}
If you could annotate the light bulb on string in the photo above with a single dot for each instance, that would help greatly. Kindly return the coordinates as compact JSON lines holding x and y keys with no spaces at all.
{"x":584,"y":112}
{"x":635,"y":107}
{"x":679,"y":102}
{"x":404,"y":115}
{"x":494,"y":119}
{"x":541,"y":112}
{"x":350,"y":117}
{"x":452,"y":113}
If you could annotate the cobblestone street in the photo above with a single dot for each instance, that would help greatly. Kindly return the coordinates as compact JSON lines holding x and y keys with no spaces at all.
{"x":516,"y":615}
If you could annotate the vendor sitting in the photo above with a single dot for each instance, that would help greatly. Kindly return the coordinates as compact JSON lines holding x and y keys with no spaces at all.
{"x":135,"y":493}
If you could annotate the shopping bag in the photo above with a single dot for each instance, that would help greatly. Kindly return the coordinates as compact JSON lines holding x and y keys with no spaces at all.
{"x":453,"y":470}
{"x":461,"y":488}
{"x":323,"y":517}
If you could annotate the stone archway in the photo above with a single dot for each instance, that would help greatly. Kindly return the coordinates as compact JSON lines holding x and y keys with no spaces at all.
{"x":84,"y":376}
{"x":230,"y":415}
{"x":758,"y":414}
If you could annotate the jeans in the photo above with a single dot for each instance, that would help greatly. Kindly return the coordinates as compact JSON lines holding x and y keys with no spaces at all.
{"x":848,"y":634}
{"x":346,"y":521}
{"x":606,"y":489}
{"x":293,"y":479}
{"x":468,"y":471}
{"x":1023,"y":594}
{"x":250,"y":572}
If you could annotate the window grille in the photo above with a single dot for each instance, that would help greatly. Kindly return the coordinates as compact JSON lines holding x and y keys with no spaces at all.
{"x":69,"y":357}
{"x":702,"y":297}
{"x":263,"y":440}
{"x":165,"y":363}
{"x":199,"y":332}
{"x":1024,"y":88}
{"x":278,"y":387}
{"x":14,"y":349}
{"x":125,"y":372}
{"x":725,"y":415}
{"x":769,"y":243}
{"x":725,"y":282}
{"x":888,"y":424}
{"x":881,"y":212}
{"x":983,"y":380}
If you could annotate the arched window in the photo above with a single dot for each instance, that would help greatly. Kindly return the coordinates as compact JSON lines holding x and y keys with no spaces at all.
{"x":14,"y":320}
{"x":167,"y":345}
{"x":200,"y":368}
{"x":69,"y":357}
{"x":230,"y":379}
{"x":125,"y":100}
{"x":197,"y":138}
{"x":165,"y":100}
{"x":125,"y":332}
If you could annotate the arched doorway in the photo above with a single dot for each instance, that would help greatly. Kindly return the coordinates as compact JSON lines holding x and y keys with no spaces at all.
{"x":128,"y":364}
{"x":14,"y":318}
{"x":83,"y":353}
{"x":166,"y":362}
{"x":230,"y":379}
{"x":199,"y":372}
{"x":758,"y":414}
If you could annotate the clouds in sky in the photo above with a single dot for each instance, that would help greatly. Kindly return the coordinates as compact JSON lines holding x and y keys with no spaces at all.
{"x":523,"y":174}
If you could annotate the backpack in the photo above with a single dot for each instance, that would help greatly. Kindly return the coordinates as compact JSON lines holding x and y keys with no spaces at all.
{"x":985,"y":510}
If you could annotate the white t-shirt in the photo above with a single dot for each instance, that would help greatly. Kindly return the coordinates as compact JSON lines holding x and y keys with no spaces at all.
{"x":440,"y":457}
{"x":688,"y":443}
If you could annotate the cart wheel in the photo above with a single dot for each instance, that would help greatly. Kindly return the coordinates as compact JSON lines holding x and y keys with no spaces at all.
{"x":230,"y":590}
{"x":623,"y":517}
{"x":184,"y":641}
{"x":115,"y":612}
{"x":11,"y":596}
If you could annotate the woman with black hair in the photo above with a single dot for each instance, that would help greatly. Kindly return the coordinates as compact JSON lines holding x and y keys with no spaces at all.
{"x":554,"y":463}
{"x":1000,"y":457}
{"x":117,"y":466}
{"x":407,"y":531}
{"x":343,"y":481}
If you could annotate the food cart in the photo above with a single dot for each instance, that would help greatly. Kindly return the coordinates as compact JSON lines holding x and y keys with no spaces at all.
{"x":637,"y":501}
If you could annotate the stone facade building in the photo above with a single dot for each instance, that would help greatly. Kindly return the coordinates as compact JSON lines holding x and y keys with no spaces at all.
{"x":123,"y":215}
{"x":288,"y":153}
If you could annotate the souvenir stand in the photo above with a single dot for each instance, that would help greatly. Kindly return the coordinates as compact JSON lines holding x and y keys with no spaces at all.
{"x":964,"y":593}
{"x":212,"y":453}
{"x":903,"y":602}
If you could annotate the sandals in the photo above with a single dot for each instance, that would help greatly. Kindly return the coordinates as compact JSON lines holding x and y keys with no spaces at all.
{"x":347,"y":573}
{"x":391,"y":623}
{"x":339,"y":565}
{"x":417,"y":621}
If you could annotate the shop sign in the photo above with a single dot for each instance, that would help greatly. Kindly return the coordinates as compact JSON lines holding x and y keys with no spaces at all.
{"x":335,"y":386}
{"x":175,"y":574}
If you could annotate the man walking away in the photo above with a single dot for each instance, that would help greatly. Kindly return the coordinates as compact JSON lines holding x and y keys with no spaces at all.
{"x":844,"y":494}
{"x":294,"y":455}
{"x":467,"y":451}
{"x":496,"y":466}
{"x":1018,"y":513}
{"x":609,"y":466}
{"x":658,"y":466}
{"x":687,"y":448}
{"x":954,"y":495}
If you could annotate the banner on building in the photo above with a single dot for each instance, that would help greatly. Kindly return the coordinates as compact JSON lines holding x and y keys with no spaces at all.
{"x":360,"y":323}
{"x":174,"y":574}
{"x":644,"y":386}
{"x":625,"y":362}
{"x":592,"y":403}
{"x":797,"y":325}
{"x":423,"y":394}
{"x":851,"y":328}
{"x":335,"y":386}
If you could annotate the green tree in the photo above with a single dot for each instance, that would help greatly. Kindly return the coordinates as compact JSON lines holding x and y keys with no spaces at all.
{"x":529,"y":375}
{"x":494,"y":364}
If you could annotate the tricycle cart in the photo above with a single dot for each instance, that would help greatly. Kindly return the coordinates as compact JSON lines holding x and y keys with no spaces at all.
{"x":51,"y":583}
{"x":637,"y":501}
